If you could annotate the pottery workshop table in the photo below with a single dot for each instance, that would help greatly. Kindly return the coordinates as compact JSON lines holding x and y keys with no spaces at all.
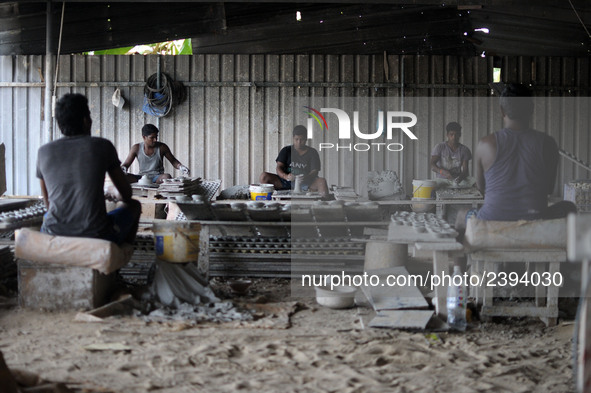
{"x":442,"y":249}
{"x":343,"y":253}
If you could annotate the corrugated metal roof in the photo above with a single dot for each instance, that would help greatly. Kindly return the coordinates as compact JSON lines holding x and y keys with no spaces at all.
{"x":542,"y":28}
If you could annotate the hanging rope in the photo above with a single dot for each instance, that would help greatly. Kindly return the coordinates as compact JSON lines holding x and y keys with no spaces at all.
{"x":160,"y":101}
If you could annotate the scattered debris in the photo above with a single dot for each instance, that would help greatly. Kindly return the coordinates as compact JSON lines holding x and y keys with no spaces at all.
{"x":212,"y":312}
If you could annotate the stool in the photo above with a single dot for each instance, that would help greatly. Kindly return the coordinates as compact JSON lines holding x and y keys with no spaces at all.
{"x":61,"y":272}
{"x":545,"y":308}
{"x":59,"y":287}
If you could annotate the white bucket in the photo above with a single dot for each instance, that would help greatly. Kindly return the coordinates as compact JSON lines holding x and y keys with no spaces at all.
{"x":261,"y":192}
{"x":423,"y":189}
{"x":176,"y":241}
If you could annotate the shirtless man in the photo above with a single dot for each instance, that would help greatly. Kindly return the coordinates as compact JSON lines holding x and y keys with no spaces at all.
{"x":516,"y":167}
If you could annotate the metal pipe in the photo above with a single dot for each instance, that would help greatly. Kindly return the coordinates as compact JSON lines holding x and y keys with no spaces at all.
{"x":158,"y":69}
{"x":357,"y":85}
{"x":574,"y":159}
{"x":402,"y":174}
{"x":49,"y":65}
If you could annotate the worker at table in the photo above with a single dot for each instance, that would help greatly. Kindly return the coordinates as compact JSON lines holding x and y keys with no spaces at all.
{"x":449,"y":159}
{"x":150,"y":154}
{"x":516,"y":167}
{"x":297,"y":159}
{"x":72,"y":171}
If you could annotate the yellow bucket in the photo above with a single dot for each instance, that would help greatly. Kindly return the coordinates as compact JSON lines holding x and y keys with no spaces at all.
{"x":423,"y":189}
{"x":261,"y":192}
{"x":176,"y":241}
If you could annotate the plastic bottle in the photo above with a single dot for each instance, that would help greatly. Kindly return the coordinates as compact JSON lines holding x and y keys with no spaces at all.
{"x":456,"y":302}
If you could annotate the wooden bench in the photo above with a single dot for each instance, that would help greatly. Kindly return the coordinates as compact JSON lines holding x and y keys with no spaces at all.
{"x":540,"y":245}
{"x":485,"y":263}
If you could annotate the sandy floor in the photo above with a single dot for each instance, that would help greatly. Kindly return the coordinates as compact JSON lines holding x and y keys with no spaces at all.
{"x":323,"y":350}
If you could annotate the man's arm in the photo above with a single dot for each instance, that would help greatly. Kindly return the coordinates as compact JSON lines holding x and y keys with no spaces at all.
{"x":121,"y":183}
{"x":44,"y":193}
{"x":436,"y":169}
{"x":131,"y":156}
{"x":313,"y":174}
{"x":484,"y":156}
{"x":465,"y":172}
{"x":165,"y":152}
{"x":282,"y":171}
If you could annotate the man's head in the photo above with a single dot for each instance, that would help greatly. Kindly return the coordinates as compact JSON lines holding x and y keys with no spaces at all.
{"x":453,"y":132}
{"x":72,"y":115}
{"x":517,"y":102}
{"x":300,"y":136}
{"x":150,"y":134}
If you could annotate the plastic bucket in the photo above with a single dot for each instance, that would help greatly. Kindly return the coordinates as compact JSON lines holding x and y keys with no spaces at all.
{"x":423,"y":189}
{"x":176,"y":241}
{"x":261,"y":192}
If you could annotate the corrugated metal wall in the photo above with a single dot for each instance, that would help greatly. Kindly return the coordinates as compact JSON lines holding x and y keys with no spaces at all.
{"x":240,"y":109}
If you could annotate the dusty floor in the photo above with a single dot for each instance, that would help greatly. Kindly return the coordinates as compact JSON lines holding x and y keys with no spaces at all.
{"x":323,"y":350}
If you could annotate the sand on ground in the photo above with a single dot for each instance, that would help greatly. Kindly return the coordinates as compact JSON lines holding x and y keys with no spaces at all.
{"x":314,"y":350}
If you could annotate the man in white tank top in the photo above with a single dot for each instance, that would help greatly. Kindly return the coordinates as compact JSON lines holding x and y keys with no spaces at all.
{"x":150,"y":154}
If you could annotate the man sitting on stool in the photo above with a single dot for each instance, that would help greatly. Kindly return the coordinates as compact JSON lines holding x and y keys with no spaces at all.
{"x":294,"y":160}
{"x":150,"y":155}
{"x":72,"y":174}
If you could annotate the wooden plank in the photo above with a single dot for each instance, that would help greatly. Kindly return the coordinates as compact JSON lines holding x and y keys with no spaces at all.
{"x":407,"y":319}
{"x":520,"y":255}
{"x":519,"y":311}
{"x":257,"y":158}
{"x":385,"y":297}
{"x":20,"y":126}
{"x":35,"y":124}
{"x":123,"y":115}
{"x":198,"y":159}
{"x":330,"y":164}
{"x":182,"y":141}
{"x":7,"y":124}
{"x":287,"y":110}
{"x":212,"y":119}
{"x":242,"y":129}
{"x":439,"y":246}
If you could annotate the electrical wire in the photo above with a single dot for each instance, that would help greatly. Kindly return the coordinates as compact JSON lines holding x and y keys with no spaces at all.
{"x":580,"y":20}
{"x":161,"y":100}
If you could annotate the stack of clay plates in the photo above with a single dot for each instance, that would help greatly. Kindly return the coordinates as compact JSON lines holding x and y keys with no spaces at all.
{"x":345,"y":194}
{"x":171,"y":188}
